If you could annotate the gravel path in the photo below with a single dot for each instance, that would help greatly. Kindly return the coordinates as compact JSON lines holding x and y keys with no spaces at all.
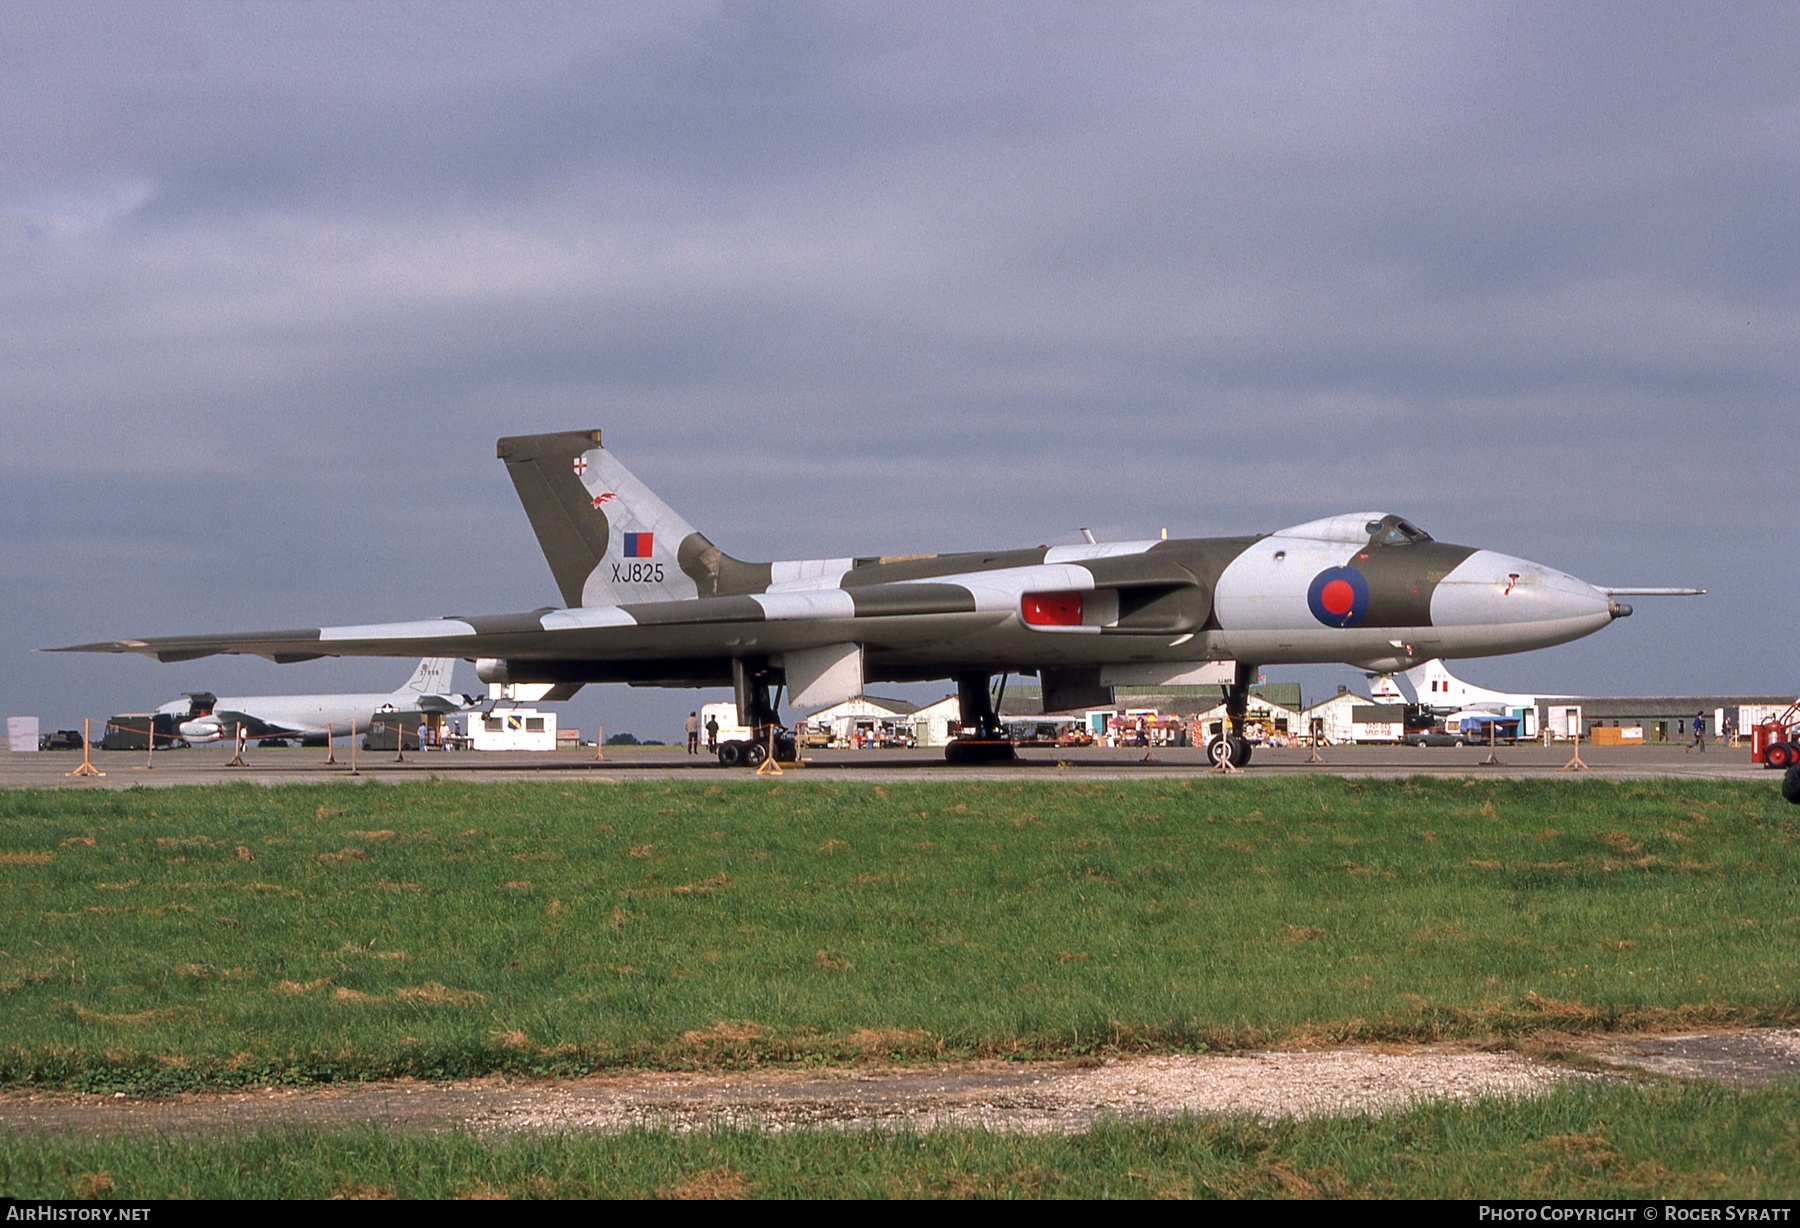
{"x":1036,"y":1097}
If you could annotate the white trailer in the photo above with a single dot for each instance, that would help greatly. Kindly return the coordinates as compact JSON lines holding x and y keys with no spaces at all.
{"x":513,"y":729}
{"x":22,"y":734}
{"x":727,"y":716}
{"x":1564,"y":721}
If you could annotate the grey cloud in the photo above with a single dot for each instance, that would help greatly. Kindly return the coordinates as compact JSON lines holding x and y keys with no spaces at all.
{"x":278,"y":275}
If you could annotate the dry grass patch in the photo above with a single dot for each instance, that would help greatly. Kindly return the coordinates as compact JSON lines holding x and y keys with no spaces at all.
{"x":26,"y":859}
{"x":136,"y":1019}
{"x":439,"y":995}
{"x":481,"y":1191}
{"x":257,"y":888}
{"x":724,"y":1033}
{"x":86,"y":842}
{"x":888,"y":1040}
{"x":717,"y":882}
{"x":722,"y":1183}
{"x":363,"y":1192}
{"x":93,"y":1185}
{"x":290,"y":989}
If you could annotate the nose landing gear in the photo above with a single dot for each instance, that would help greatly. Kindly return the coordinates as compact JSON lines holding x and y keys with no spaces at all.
{"x":1230,"y":751}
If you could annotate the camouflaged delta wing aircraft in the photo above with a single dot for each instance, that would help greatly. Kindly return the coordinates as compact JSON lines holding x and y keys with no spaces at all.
{"x":652,"y":602}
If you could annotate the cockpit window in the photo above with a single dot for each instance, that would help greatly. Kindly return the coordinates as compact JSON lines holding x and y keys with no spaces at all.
{"x":1393,"y":531}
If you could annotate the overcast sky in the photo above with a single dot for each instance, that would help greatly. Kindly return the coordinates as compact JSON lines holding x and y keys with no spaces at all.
{"x":845,"y":279}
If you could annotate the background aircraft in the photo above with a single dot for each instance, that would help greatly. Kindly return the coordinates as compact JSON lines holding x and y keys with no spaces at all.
{"x":1439,"y":689}
{"x":200,"y":716}
{"x":651,"y":601}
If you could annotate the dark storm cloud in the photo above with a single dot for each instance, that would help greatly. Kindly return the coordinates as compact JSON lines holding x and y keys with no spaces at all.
{"x":837,"y":278}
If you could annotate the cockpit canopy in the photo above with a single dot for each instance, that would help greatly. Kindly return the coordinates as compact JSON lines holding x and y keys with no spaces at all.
{"x":1360,"y":529}
{"x":1395,"y":531}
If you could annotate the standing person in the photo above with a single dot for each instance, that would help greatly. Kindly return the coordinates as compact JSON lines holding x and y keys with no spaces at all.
{"x":692,"y":725}
{"x":1699,"y":731}
{"x":712,"y":732}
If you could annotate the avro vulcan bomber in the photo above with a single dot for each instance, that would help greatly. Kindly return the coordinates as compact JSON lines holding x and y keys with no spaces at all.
{"x":651,"y":601}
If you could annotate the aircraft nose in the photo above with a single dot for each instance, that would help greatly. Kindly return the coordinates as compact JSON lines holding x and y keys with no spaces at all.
{"x":1498,"y":590}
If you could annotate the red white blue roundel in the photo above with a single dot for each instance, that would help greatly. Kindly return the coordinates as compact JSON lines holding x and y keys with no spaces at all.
{"x":1339,"y":596}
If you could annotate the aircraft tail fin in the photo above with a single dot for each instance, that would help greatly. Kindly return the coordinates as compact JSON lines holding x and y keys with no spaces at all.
{"x":431,"y":678}
{"x":607,"y":537}
{"x":1434,"y":684}
{"x":1383,"y":689}
{"x":1440,"y":688}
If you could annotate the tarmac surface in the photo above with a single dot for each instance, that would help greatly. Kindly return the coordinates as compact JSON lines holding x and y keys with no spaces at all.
{"x":208,"y":765}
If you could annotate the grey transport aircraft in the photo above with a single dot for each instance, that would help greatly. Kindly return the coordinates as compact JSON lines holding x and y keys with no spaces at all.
{"x":201,"y":717}
{"x":649,"y":600}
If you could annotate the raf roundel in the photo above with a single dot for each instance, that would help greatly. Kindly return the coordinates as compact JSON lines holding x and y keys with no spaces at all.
{"x":1339,"y":597}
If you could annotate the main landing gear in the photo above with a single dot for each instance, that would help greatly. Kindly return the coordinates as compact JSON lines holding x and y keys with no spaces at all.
{"x":1230,"y":751}
{"x":758,"y":714}
{"x":988,"y":743}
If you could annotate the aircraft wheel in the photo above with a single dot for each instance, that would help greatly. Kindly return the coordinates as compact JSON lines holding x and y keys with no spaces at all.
{"x":1790,"y":784}
{"x":731,"y":754}
{"x":754,"y":754}
{"x":1222,"y":750}
{"x":1240,"y":753}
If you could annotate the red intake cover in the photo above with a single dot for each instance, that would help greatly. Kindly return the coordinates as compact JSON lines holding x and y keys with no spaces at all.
{"x":1051,"y":609}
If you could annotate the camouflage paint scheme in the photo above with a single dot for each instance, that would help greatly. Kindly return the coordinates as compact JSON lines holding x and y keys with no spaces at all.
{"x":652,"y":601}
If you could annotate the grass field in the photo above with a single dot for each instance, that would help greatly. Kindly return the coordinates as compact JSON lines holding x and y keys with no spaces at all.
{"x":1579,"y":1142}
{"x":158,"y":939}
